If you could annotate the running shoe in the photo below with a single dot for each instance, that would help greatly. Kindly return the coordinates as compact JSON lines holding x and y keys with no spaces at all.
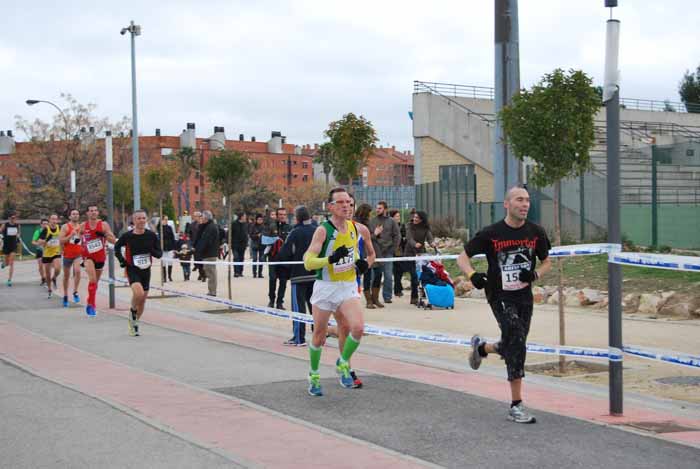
{"x":315,"y":385}
{"x":132,"y":329}
{"x":290,"y":342}
{"x":343,"y":370}
{"x":518,"y":414}
{"x":474,"y":357}
{"x":43,"y":282}
{"x":76,"y":297}
{"x":65,"y":301}
{"x":356,"y":382}
{"x":136,"y":328}
{"x":50,"y":294}
{"x":90,"y":311}
{"x":301,"y":344}
{"x":9,"y":283}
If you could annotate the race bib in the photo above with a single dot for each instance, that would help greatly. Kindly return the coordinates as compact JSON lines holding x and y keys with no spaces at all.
{"x":53,"y":242}
{"x":94,"y":245}
{"x":346,"y":263}
{"x":11,"y":231}
{"x":142,"y":261}
{"x":510,"y":274}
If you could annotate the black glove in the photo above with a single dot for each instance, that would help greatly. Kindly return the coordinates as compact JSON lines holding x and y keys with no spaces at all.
{"x":478,"y":280}
{"x":338,"y":254}
{"x":122,"y":264}
{"x":100,"y":233}
{"x":75,"y":240}
{"x":48,"y":238}
{"x":528,"y":276}
{"x":362,"y":266}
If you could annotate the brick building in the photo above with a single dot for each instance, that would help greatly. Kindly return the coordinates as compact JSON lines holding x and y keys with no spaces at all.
{"x":385,"y":167}
{"x":283,"y":166}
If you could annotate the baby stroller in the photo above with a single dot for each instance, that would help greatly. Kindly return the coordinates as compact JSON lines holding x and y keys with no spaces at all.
{"x":435,"y":287}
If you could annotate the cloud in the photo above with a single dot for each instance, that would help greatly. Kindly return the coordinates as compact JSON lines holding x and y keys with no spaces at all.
{"x":295,"y":66}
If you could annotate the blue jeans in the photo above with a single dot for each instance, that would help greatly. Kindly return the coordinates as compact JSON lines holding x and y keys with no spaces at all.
{"x":257,"y":255}
{"x":387,"y":270}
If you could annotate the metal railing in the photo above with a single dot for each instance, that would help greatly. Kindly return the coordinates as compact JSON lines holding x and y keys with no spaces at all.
{"x":487,"y":92}
{"x":451,"y":89}
{"x":425,"y":87}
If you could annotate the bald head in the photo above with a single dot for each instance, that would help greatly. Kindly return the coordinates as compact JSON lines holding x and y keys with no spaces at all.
{"x":516,"y":190}
{"x":517,"y":205}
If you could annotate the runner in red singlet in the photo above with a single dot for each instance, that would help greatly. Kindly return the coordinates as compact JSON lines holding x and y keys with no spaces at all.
{"x":94,"y":234}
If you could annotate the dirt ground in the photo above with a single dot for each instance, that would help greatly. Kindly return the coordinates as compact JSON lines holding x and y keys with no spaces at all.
{"x":584,"y":327}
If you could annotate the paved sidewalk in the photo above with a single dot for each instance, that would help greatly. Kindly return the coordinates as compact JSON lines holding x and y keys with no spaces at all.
{"x":207,"y":390}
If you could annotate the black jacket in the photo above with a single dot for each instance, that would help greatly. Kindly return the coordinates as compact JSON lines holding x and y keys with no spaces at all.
{"x":255,"y":232}
{"x":239,"y":234}
{"x":207,"y":244}
{"x":168,"y":237}
{"x":293,"y":249}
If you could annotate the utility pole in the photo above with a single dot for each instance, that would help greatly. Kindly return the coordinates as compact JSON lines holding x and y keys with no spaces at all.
{"x":507,"y":170}
{"x":611,"y":98}
{"x":134,"y":30}
{"x":110,"y":212}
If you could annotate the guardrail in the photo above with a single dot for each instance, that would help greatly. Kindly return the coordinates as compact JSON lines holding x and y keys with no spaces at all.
{"x":487,"y":92}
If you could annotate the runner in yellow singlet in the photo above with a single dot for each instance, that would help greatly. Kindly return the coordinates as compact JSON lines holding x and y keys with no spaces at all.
{"x":334,"y":255}
{"x":51,"y":259}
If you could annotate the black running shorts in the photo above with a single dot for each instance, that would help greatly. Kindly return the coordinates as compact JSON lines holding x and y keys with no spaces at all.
{"x":136,"y":275}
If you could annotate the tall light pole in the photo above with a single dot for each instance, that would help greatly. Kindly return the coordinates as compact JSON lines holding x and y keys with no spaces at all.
{"x":507,"y":170}
{"x":73,"y":175}
{"x":110,"y":211}
{"x":135,"y":30}
{"x":611,"y":98}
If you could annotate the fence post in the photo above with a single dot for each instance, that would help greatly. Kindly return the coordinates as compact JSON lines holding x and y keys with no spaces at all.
{"x":654,"y":201}
{"x":582,"y":205}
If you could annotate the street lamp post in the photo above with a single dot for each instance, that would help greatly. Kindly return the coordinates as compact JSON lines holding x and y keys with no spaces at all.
{"x":135,"y":30}
{"x":73,"y":174}
{"x":110,"y":212}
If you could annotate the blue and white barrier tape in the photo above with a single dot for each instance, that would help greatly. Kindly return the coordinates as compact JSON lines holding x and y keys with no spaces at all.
{"x":418,"y":336}
{"x":558,"y":251}
{"x":656,"y":261}
{"x":663,"y":356}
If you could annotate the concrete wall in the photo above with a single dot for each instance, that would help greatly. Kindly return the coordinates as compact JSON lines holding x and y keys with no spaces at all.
{"x":435,"y":154}
{"x":453,"y":127}
{"x":444,"y":121}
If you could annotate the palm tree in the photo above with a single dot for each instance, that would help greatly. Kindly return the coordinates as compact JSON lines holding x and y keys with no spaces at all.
{"x":186,"y":161}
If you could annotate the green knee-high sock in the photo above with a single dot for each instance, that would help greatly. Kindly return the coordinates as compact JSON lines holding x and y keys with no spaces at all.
{"x":315,"y":356}
{"x":349,"y":348}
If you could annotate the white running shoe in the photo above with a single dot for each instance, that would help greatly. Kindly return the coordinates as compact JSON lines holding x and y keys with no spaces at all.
{"x":518,"y":414}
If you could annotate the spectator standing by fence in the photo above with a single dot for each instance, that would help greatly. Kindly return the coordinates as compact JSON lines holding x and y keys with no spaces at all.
{"x":256,"y":247}
{"x":418,"y":236}
{"x":239,"y":241}
{"x":207,"y":249}
{"x":385,"y":239}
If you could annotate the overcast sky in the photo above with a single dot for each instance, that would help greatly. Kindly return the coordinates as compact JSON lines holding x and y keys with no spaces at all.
{"x":294,"y":66}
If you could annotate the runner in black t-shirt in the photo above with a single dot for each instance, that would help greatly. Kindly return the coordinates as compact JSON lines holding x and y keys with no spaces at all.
{"x":10,"y":236}
{"x":141,"y":245}
{"x":512,"y":247}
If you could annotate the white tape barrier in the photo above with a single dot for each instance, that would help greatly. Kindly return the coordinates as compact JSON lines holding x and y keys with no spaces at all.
{"x":558,"y":251}
{"x":656,"y":261}
{"x":418,"y":336}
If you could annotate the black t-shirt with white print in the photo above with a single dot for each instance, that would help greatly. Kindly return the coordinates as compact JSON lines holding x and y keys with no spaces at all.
{"x":508,"y":251}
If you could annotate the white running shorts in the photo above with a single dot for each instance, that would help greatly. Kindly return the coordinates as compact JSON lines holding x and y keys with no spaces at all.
{"x":328,"y":296}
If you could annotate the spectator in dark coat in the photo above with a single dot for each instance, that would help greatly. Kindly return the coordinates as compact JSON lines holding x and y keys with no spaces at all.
{"x":168,"y":248}
{"x":256,"y":247}
{"x":207,"y":248}
{"x":239,"y":241}
{"x":302,"y":280}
